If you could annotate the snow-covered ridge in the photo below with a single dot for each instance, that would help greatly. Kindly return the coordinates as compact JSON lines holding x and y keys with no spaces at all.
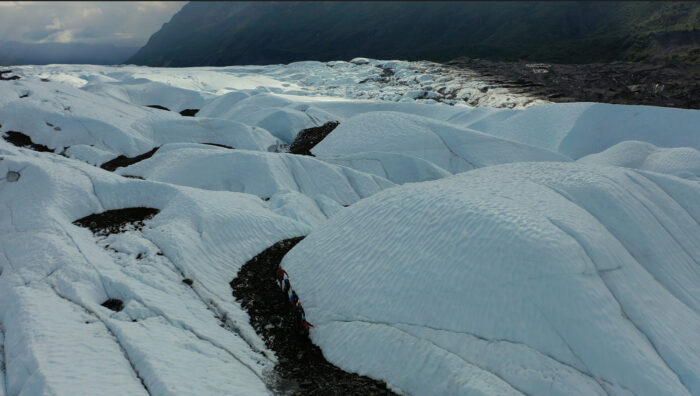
{"x":492,"y":209}
{"x":538,"y":278}
{"x":680,"y":161}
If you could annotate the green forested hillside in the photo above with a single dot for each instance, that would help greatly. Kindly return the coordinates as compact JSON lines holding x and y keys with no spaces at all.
{"x":226,"y":33}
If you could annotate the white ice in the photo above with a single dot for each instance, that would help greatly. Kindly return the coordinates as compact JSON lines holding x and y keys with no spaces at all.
{"x":526,"y":272}
{"x":533,"y":278}
{"x":678,"y":161}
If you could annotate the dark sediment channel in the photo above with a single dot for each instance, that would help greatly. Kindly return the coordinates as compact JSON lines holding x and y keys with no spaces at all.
{"x":159,"y":107}
{"x":21,"y":140}
{"x":123,"y":160}
{"x":302,"y":369}
{"x":117,"y":220}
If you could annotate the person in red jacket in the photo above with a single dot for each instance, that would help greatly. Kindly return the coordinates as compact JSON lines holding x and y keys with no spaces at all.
{"x":281,"y":276}
{"x":305,"y":327}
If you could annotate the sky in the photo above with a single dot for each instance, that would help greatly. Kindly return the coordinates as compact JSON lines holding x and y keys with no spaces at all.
{"x":120,"y":23}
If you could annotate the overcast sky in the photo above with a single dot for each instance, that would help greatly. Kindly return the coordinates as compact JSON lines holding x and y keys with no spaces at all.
{"x":120,"y":23}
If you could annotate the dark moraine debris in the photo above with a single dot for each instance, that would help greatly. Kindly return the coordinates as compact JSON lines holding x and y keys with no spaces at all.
{"x":113,"y":304}
{"x":133,"y":177}
{"x":9,"y":78}
{"x":187,"y":281}
{"x":117,"y":220}
{"x":21,"y":140}
{"x":651,"y":83}
{"x":219,"y":145}
{"x":189,"y":112}
{"x":302,"y":369}
{"x":308,"y":138}
{"x":123,"y":160}
{"x":159,"y":107}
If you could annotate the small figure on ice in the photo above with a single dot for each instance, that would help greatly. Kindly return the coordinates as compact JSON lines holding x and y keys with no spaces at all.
{"x":305,"y":327}
{"x":282,"y":279}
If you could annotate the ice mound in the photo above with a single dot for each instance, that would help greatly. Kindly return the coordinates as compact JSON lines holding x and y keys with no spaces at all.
{"x":449,"y":147}
{"x":93,"y":126}
{"x":579,"y":129}
{"x":538,"y":278}
{"x":300,"y":181}
{"x":282,"y":117}
{"x":397,"y":168}
{"x":678,"y":161}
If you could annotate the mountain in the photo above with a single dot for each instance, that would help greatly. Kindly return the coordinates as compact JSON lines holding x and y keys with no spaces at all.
{"x":16,"y":53}
{"x":223,"y":33}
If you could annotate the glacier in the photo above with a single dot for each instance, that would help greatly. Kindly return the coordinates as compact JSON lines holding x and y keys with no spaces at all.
{"x":481,"y":243}
{"x":588,"y":274}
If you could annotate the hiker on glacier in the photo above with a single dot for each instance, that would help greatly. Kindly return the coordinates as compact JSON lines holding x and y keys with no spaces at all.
{"x":299,"y":310}
{"x":282,"y":278}
{"x":286,"y":286}
{"x":305,"y":327}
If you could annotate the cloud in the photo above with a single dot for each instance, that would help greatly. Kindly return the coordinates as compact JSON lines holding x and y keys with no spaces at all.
{"x":92,"y":12}
{"x":120,"y":23}
{"x":148,"y":6}
{"x":62,"y":36}
{"x":65,"y":36}
{"x":55,"y":25}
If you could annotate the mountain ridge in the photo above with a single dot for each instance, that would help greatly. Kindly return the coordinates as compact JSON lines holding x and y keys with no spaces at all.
{"x":216,"y":34}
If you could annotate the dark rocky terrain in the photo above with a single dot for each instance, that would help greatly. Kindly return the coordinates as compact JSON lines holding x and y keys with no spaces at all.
{"x":123,"y":160}
{"x":310,"y":137}
{"x":655,"y":83}
{"x":19,"y":139}
{"x":302,"y":369}
{"x":117,"y":220}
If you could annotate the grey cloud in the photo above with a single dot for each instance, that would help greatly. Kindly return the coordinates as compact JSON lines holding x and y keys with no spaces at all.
{"x":121,"y":23}
{"x":37,"y":35}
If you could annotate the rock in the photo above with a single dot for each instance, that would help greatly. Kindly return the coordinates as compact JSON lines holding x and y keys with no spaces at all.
{"x":123,"y":160}
{"x":113,"y":304}
{"x":310,"y":137}
{"x":115,"y":221}
{"x":189,"y":112}
{"x":159,"y":107}
{"x":21,"y":140}
{"x":12,"y":176}
{"x":2,"y":78}
{"x":219,"y":145}
{"x":301,"y":364}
